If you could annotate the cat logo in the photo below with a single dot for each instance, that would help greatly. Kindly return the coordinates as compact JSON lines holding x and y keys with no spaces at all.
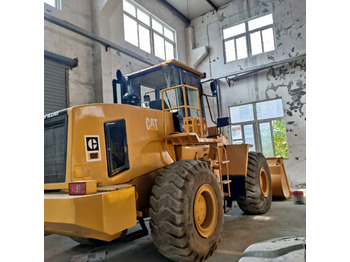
{"x":92,"y":148}
{"x":151,"y":124}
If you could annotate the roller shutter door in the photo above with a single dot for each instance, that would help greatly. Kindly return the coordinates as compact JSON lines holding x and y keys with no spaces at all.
{"x":55,"y":90}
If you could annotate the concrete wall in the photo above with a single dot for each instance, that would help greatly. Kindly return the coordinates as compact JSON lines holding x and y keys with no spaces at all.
{"x":65,"y":43}
{"x":285,"y":81}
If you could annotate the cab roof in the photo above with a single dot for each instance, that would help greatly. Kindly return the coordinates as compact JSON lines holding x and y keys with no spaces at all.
{"x":170,"y":62}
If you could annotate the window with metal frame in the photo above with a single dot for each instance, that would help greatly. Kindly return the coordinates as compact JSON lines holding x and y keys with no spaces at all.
{"x":147,"y":32}
{"x":54,"y":3}
{"x":117,"y":147}
{"x":252,"y":37}
{"x":262,"y":125}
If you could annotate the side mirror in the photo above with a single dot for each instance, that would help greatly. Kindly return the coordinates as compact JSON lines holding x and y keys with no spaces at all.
{"x":213,"y":88}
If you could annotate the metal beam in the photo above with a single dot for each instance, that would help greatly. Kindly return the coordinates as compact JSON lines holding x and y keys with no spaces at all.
{"x":102,"y":41}
{"x":181,"y":15}
{"x":212,"y":5}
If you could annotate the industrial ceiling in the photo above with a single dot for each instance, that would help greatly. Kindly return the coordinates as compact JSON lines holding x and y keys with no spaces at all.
{"x":195,"y":8}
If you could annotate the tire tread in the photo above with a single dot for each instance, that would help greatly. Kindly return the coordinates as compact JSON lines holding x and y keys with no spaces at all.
{"x":168,"y":214}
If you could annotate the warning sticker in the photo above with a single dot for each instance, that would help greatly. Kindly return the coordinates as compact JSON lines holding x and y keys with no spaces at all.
{"x":92,"y":148}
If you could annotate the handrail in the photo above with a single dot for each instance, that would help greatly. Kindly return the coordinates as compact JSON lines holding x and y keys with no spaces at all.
{"x":185,"y":106}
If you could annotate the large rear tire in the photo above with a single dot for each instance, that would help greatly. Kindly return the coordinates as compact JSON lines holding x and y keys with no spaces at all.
{"x":186,"y":211}
{"x":258,"y":186}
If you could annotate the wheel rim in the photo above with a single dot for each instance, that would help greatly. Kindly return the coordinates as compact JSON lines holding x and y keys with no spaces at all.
{"x":264,"y":182}
{"x":205,"y":210}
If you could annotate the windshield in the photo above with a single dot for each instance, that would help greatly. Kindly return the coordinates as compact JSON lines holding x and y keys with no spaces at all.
{"x":149,"y":84}
{"x":174,"y":100}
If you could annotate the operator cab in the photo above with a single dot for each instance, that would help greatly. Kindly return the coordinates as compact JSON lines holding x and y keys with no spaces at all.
{"x":170,"y":86}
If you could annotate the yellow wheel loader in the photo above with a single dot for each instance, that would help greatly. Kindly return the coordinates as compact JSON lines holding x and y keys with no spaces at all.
{"x":149,"y":154}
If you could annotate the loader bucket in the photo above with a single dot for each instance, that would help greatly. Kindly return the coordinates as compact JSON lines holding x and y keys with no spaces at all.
{"x":280,"y":184}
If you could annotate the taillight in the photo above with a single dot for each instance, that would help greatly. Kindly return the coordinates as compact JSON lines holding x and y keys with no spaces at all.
{"x":83,"y":187}
{"x":298,"y":193}
{"x":78,"y":188}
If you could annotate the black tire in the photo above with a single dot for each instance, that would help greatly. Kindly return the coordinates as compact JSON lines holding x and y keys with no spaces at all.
{"x":258,"y":186}
{"x":173,"y":224}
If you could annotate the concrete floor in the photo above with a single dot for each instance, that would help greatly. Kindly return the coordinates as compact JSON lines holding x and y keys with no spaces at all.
{"x":284,"y":219}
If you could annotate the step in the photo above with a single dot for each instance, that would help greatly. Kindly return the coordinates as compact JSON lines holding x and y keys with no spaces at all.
{"x":215,"y":164}
{"x":222,"y":162}
{"x":226,"y":182}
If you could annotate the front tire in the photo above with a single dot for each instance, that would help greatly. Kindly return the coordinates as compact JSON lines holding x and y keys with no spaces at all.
{"x":258,"y":186}
{"x":186,"y":211}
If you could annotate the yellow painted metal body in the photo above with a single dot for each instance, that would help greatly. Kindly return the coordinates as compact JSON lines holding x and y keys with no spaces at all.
{"x":280,"y":184}
{"x":146,"y":147}
{"x":238,"y":156}
{"x":103,"y":215}
{"x":205,"y":210}
{"x":192,"y":152}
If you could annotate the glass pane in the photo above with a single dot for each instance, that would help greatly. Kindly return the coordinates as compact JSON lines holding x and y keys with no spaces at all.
{"x":269,"y":43}
{"x":190,"y":79}
{"x":169,"y":51}
{"x":145,"y":40}
{"x":234,"y":30}
{"x":241,"y":47}
{"x":158,"y":46}
{"x":171,"y":98}
{"x":157,"y":26}
{"x":129,"y":8}
{"x":169,"y":33}
{"x":150,"y":95}
{"x":255,"y":41}
{"x":269,"y":109}
{"x":192,"y":112}
{"x":266,"y":139}
{"x":280,"y":138}
{"x":230,"y":50}
{"x":236,"y":132}
{"x":116,"y":143}
{"x":143,"y":17}
{"x":260,"y":22}
{"x":130,"y":30}
{"x":192,"y":97}
{"x":242,"y":113}
{"x":249,"y":136}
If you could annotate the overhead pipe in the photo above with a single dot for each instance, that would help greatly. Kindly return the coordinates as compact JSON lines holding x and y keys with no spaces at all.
{"x":107,"y":44}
